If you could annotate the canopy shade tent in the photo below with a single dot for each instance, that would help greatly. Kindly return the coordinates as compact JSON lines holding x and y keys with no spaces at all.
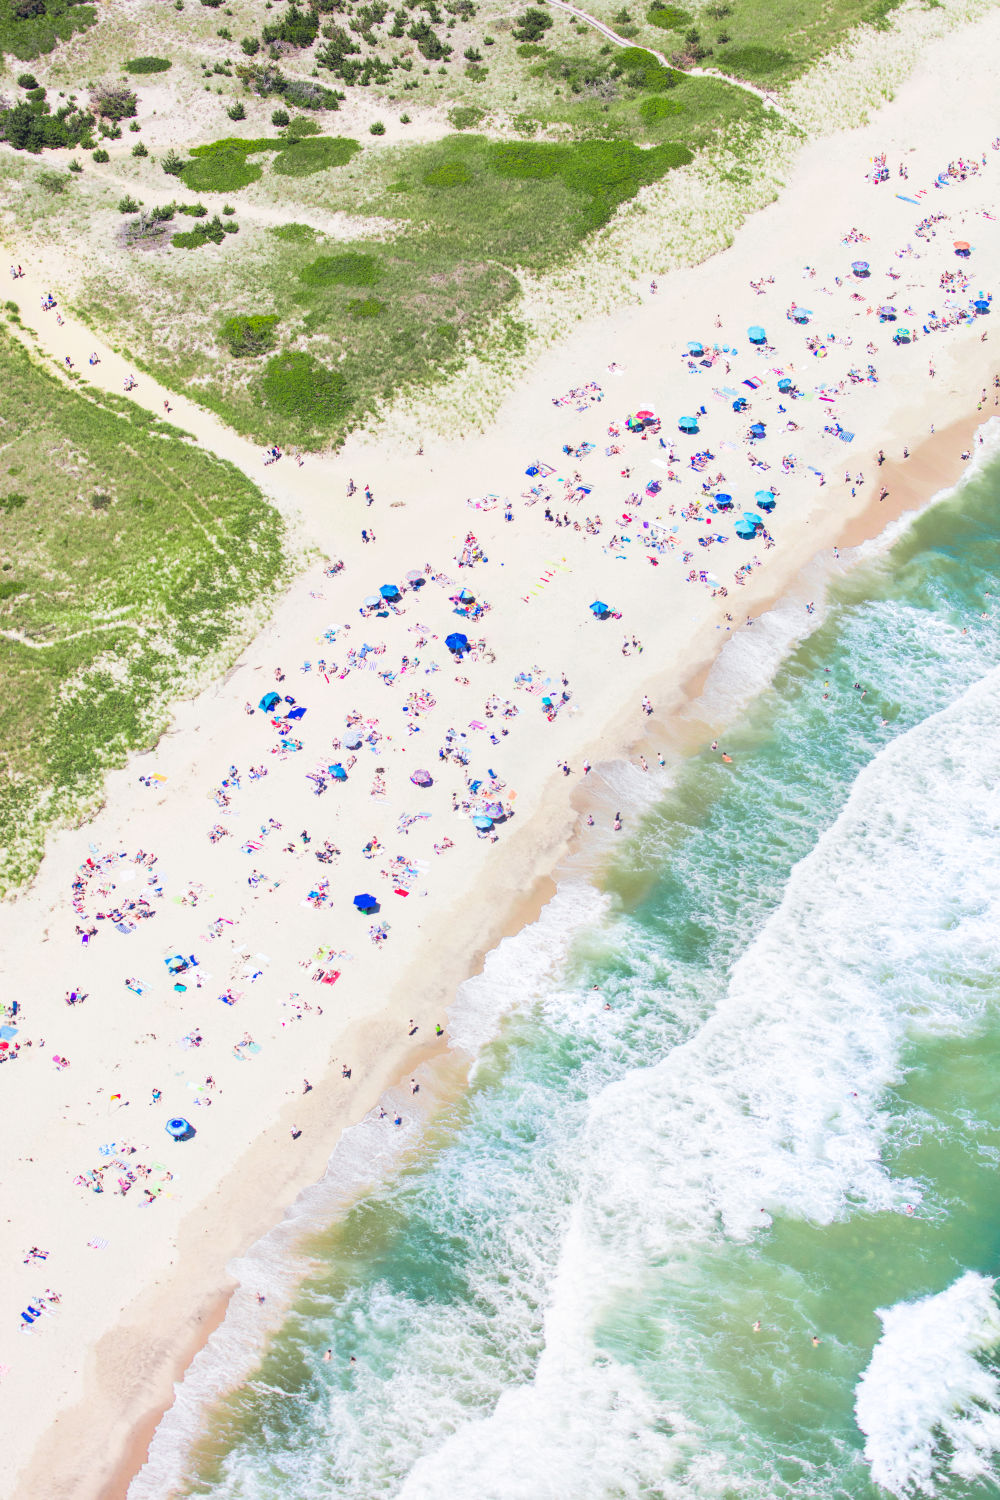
{"x":269,"y":701}
{"x":756,"y":334}
{"x":457,"y":642}
{"x":688,"y":424}
{"x":696,"y":348}
{"x":366,"y":903}
{"x":389,"y":591}
{"x":467,"y":597}
{"x":353,"y":739}
{"x":422,"y":778}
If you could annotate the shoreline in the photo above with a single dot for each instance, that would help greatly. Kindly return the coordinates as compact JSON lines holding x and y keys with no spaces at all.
{"x":936,"y":462}
{"x":94,"y":1422}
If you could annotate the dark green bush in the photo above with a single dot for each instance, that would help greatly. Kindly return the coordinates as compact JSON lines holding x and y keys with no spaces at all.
{"x":533,"y":25}
{"x":194,"y":210}
{"x":668,"y":17}
{"x":368,"y":307}
{"x":643,"y":71}
{"x":114,"y":101}
{"x":100,"y":155}
{"x":249,"y":333}
{"x":172,"y":163}
{"x":147,"y":65}
{"x":465,"y":116}
{"x":213,"y":232}
{"x":237,"y":111}
{"x":350,"y":269}
{"x":300,"y":158}
{"x":298,"y":388}
{"x":657,"y":108}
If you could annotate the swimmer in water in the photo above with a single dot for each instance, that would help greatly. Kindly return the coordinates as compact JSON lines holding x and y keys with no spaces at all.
{"x":327,"y":1356}
{"x":756,"y":1326}
{"x":727,"y":758}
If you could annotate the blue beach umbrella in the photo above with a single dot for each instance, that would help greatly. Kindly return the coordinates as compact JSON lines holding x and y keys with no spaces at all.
{"x":860,"y":268}
{"x":366,"y":903}
{"x":758,"y":430}
{"x":389,"y":591}
{"x":600,"y":609}
{"x":756,"y":334}
{"x":764,"y":500}
{"x":269,"y":701}
{"x":784,"y":384}
{"x":457,"y":642}
{"x":745,"y":531}
{"x":482,"y":822}
{"x":179,"y":1129}
{"x":981,"y":305}
{"x":696,"y":348}
{"x":751,"y":520}
{"x":688,"y":424}
{"x":338,"y":773}
{"x":741,"y":404}
{"x":724,"y":502}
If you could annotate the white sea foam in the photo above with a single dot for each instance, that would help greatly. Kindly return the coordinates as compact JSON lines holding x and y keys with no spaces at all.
{"x":928,"y":1404}
{"x":772,"y":1108}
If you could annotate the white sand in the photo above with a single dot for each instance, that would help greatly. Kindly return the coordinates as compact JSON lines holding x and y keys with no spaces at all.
{"x":75,"y":1387}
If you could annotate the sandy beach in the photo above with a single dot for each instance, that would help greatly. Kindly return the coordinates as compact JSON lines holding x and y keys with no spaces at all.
{"x":195,"y":952}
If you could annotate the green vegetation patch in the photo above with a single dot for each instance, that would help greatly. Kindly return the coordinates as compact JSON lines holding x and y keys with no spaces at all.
{"x":210,"y":232}
{"x":448,"y":174}
{"x":249,"y":333}
{"x":368,"y":307}
{"x":757,"y":64}
{"x":656,"y":108}
{"x":349,"y":269}
{"x":669,"y":17}
{"x":642,"y":70}
{"x":465,"y":116}
{"x":223,"y":166}
{"x":297,"y":387}
{"x":604,"y":174}
{"x":30,"y":27}
{"x":129,"y":563}
{"x":147,"y":65}
{"x":302,"y":157}
{"x":295,"y":234}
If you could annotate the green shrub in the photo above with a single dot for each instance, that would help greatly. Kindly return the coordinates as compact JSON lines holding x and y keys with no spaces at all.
{"x":139,"y":149}
{"x":643,"y":71}
{"x":465,"y":116}
{"x":603,"y":174}
{"x":75,"y":166}
{"x":448,"y":174}
{"x":173,"y":163}
{"x":302,"y":158}
{"x":100,"y":155}
{"x":533,"y":25}
{"x":237,"y":111}
{"x":350,"y":269}
{"x":128,"y":205}
{"x":249,"y":333}
{"x":376,"y":128}
{"x":295,"y":234}
{"x":250,"y":45}
{"x":668,"y":17}
{"x":194,"y":210}
{"x":147,"y":65}
{"x":114,"y":101}
{"x":301,"y":126}
{"x":222,"y":167}
{"x":30,"y":27}
{"x":27,"y":81}
{"x":214,"y":232}
{"x":657,"y":108}
{"x":298,"y":388}
{"x":13,"y":501}
{"x":368,"y":307}
{"x":280,"y":117}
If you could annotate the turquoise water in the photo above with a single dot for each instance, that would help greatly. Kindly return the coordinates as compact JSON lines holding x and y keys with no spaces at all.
{"x":777,"y":1106}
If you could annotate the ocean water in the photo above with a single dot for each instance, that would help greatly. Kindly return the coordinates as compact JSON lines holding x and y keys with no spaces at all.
{"x":752,"y":1080}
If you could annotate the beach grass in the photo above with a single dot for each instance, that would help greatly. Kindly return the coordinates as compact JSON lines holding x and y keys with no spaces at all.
{"x":131,"y":564}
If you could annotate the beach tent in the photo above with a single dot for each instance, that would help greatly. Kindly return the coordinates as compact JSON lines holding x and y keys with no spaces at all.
{"x":422,"y":778}
{"x":389,"y":591}
{"x":179,"y":1129}
{"x":269,"y":701}
{"x":764,"y":500}
{"x":860,"y":268}
{"x":696,"y":348}
{"x":756,"y":334}
{"x":724,"y":502}
{"x":758,"y":430}
{"x":741,"y":404}
{"x":599,"y":609}
{"x":963,"y":248}
{"x":784,"y":384}
{"x":353,"y":739}
{"x":466,"y":597}
{"x":337,"y":772}
{"x":457,"y":642}
{"x":688,"y":424}
{"x":366,"y":903}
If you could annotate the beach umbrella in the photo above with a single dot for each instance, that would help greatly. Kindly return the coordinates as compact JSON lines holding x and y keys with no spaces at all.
{"x":366,"y":903}
{"x":389,"y":591}
{"x":422,"y":778}
{"x":457,"y":642}
{"x":751,"y":520}
{"x":981,"y":305}
{"x":963,"y":248}
{"x":179,"y":1129}
{"x":599,"y":608}
{"x":745,"y":530}
{"x":482,"y":821}
{"x":415,"y":578}
{"x":646,"y":416}
{"x":756,"y":334}
{"x":758,"y":430}
{"x":467,"y":597}
{"x":801,"y":314}
{"x":494,"y":810}
{"x":765,"y":500}
{"x":860,"y":268}
{"x":372,"y":602}
{"x":784,"y":384}
{"x":337,"y":772}
{"x":724,"y":502}
{"x":269,"y":701}
{"x":901,"y":336}
{"x":741,"y":404}
{"x":887,"y":314}
{"x":688,"y":424}
{"x":354,"y":739}
{"x":696,"y":348}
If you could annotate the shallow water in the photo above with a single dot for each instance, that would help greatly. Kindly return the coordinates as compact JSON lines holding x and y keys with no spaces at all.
{"x":786,"y":1114}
